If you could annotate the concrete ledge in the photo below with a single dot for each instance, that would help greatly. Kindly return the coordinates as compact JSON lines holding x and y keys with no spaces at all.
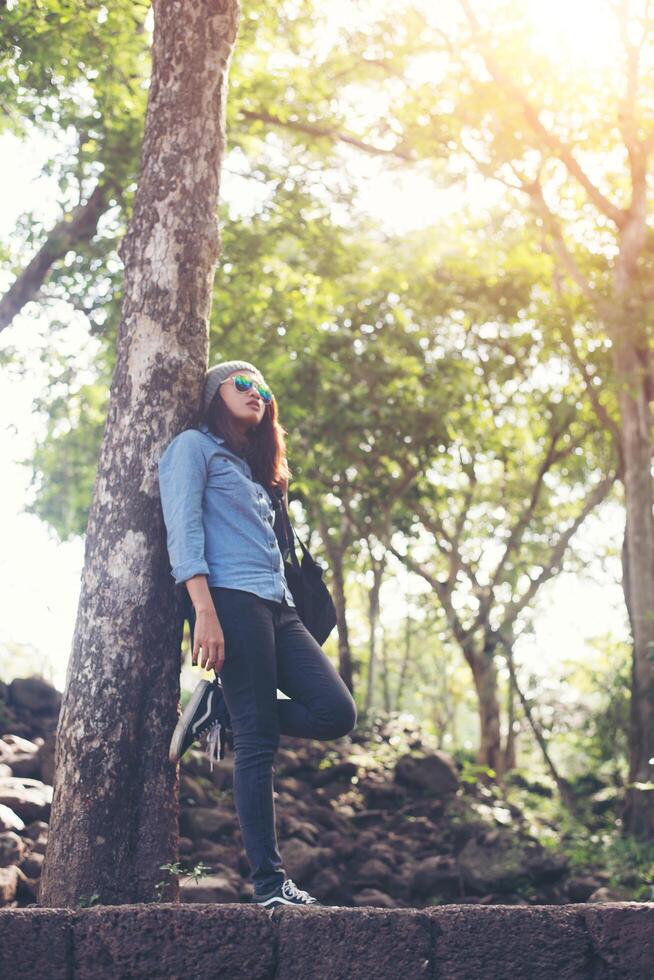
{"x":230,"y":942}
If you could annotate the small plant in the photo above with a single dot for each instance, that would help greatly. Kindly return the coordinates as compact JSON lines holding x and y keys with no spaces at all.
{"x":86,"y":903}
{"x":175,"y":869}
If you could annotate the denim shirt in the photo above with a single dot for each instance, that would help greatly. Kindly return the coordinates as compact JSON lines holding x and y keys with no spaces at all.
{"x":219,"y":520}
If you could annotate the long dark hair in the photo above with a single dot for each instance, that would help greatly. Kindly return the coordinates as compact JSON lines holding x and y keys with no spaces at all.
{"x":265,"y":446}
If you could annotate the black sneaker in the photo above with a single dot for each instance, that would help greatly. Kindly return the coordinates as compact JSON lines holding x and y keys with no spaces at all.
{"x":206,"y":712}
{"x":285,"y":894}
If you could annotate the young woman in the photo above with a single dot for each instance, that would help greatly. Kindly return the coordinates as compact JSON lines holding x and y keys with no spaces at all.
{"x":222,"y":546}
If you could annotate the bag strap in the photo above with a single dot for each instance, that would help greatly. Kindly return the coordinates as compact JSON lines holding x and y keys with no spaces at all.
{"x":277,"y":500}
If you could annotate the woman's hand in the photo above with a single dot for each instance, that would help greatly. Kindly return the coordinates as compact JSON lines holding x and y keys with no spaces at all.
{"x":208,"y":640}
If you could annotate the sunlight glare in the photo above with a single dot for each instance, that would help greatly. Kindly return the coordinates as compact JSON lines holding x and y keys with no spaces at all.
{"x":576,"y":29}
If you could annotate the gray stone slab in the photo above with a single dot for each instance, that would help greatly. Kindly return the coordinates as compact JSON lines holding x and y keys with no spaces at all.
{"x":36,"y":943}
{"x":622,"y":938}
{"x":169,"y":941}
{"x":517,"y":942}
{"x":352,"y":944}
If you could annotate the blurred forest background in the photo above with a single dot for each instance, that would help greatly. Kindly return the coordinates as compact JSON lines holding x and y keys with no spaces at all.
{"x":424,"y":246}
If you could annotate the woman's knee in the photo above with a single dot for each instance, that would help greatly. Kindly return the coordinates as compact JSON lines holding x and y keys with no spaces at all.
{"x":342,"y":717}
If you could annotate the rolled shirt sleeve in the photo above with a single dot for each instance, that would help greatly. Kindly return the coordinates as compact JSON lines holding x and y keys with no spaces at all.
{"x":182,"y":480}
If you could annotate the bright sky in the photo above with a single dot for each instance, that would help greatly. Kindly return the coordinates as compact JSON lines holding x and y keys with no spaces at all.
{"x":39,"y":578}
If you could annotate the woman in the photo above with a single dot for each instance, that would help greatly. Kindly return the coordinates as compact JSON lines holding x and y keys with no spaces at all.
{"x":222,"y":545}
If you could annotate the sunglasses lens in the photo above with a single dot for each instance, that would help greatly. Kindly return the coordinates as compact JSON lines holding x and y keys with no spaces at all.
{"x":245,"y":384}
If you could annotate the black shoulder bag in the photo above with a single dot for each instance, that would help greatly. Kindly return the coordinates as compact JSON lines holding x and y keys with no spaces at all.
{"x":312,"y":598}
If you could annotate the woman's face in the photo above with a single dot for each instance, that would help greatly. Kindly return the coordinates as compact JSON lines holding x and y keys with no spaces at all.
{"x":247,"y":407}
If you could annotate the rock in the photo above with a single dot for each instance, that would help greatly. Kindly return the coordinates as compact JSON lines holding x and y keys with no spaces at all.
{"x":436,"y":876}
{"x":11,"y":745}
{"x":191,"y":789}
{"x":12,"y":848}
{"x":498,"y":860}
{"x":605,"y":894}
{"x":47,"y":758}
{"x":289,"y":784}
{"x":327,"y":885}
{"x":208,"y":822}
{"x":186,"y":845}
{"x":36,"y":694}
{"x":211,"y":888}
{"x":10,"y":820}
{"x":341,"y":772}
{"x":29,"y":798}
{"x":287,"y":761}
{"x":434,"y":774}
{"x":382,"y":794}
{"x":40,"y":844}
{"x":36,"y":829}
{"x":300,"y":828}
{"x":9,"y":878}
{"x":580,"y":889}
{"x":32,"y":865}
{"x":301,"y":860}
{"x":374,"y":872}
{"x":371,"y":896}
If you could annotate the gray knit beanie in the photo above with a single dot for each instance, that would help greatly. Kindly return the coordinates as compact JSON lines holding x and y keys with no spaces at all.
{"x":220,"y":372}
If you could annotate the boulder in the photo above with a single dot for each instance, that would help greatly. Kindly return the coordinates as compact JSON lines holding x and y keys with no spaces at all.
{"x":47,"y":758}
{"x":301,"y":860}
{"x":10,"y":820}
{"x":29,"y":798}
{"x":436,"y":876}
{"x":341,"y":772}
{"x":580,"y":889}
{"x":374,"y":897}
{"x":211,"y":822}
{"x":375,"y":872}
{"x":434,"y":774}
{"x":382,"y":794}
{"x":12,"y":848}
{"x":210,"y":888}
{"x":9,"y":878}
{"x":35,"y":694}
{"x":32,"y":865}
{"x":498,"y":860}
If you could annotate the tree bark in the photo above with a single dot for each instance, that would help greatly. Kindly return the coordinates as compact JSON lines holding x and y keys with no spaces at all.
{"x":114,"y":812}
{"x":344,"y":651}
{"x":406,"y":659}
{"x":634,"y":380}
{"x":484,"y":674}
{"x":510,"y":754}
{"x":373,"y":618}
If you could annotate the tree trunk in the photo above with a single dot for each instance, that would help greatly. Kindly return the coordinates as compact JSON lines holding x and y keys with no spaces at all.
{"x":344,"y":652}
{"x":509,"y":759}
{"x":633,"y":380}
{"x":114,"y":813}
{"x":385,"y":678}
{"x":484,"y":673}
{"x":373,"y":618}
{"x":405,"y":661}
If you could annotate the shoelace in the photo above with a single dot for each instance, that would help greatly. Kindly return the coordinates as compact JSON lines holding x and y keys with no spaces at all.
{"x":291,"y":890}
{"x":213,"y":746}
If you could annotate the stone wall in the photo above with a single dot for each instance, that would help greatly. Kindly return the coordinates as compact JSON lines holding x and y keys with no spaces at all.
{"x":230,"y":942}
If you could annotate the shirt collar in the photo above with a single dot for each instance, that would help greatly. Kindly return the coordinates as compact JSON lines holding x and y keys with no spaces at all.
{"x":205,"y":428}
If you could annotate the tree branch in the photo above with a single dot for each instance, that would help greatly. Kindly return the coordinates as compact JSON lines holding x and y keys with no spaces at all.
{"x":597,"y":495}
{"x":79,"y":225}
{"x":531,"y":114}
{"x":309,"y":129}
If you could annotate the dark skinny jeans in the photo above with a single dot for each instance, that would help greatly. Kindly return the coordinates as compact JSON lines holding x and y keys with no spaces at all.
{"x":268,"y":647}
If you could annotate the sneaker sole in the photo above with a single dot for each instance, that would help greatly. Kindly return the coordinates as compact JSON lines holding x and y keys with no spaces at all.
{"x":270,"y":904}
{"x":184,"y":720}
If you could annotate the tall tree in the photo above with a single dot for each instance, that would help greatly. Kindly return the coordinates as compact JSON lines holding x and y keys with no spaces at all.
{"x":114,"y":814}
